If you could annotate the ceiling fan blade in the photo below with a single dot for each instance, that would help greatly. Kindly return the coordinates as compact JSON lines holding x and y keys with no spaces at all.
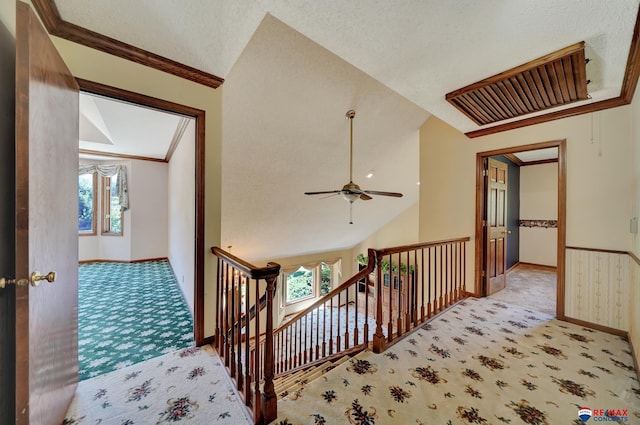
{"x":323,"y":193}
{"x":365,"y":197}
{"x":329,"y":196}
{"x":376,"y":192}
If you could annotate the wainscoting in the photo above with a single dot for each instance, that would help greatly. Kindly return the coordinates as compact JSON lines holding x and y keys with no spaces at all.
{"x":598,"y":285}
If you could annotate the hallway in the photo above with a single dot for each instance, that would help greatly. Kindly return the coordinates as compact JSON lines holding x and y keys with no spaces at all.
{"x":530,"y":286}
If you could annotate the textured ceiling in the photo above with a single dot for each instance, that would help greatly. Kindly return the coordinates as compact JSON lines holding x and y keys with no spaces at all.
{"x":292,"y":70}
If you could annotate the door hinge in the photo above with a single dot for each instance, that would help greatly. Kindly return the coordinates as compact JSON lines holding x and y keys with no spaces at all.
{"x":484,"y":274}
{"x":485,"y":173}
{"x":484,"y":223}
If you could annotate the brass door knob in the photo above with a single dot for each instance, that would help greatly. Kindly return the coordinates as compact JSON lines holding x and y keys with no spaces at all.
{"x":34,"y":280}
{"x":36,"y":277}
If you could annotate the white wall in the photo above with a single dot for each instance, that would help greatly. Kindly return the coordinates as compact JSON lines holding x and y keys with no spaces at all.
{"x":402,"y":230}
{"x":539,"y":201}
{"x":181,"y":209}
{"x":145,"y":234}
{"x":148,"y":187}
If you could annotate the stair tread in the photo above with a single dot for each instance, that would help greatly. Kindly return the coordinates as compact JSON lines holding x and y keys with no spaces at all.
{"x":294,"y":382}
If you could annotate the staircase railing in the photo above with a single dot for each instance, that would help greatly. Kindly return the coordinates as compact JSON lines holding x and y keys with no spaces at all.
{"x":415,"y":282}
{"x":398,"y":290}
{"x":334,"y":325}
{"x":250,"y":365}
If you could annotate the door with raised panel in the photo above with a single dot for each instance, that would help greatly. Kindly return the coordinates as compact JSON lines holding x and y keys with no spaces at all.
{"x":46,"y":226}
{"x":495,"y":228}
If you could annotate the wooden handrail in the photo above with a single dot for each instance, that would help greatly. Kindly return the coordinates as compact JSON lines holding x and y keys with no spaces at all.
{"x":271,"y":269}
{"x":252,"y":368}
{"x":411,"y":284}
{"x":351,"y":281}
{"x":403,"y":248}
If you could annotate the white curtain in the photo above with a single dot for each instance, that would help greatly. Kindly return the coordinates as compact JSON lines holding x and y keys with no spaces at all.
{"x":122,"y":187}
{"x":336,"y":262}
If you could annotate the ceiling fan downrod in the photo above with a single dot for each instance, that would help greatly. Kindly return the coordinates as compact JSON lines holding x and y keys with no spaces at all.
{"x":350,"y":115}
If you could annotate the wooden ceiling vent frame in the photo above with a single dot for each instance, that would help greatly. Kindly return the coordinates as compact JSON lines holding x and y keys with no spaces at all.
{"x":553,"y":80}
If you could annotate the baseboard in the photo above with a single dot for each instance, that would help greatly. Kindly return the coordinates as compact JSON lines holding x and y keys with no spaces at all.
{"x":513,"y":267}
{"x":538,"y":266}
{"x":209,"y":340}
{"x":597,"y":327}
{"x":144,"y":260}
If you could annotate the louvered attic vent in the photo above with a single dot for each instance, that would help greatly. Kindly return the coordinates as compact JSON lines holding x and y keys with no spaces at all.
{"x":553,"y":80}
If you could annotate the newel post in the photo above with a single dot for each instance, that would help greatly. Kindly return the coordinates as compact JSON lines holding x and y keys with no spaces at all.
{"x":269,"y":399}
{"x":378,"y":337}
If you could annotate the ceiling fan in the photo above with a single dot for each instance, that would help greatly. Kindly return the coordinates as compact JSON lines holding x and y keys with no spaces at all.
{"x":351,"y":192}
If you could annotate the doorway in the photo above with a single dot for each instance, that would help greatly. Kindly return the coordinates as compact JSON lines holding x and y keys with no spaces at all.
{"x":481,"y":280}
{"x":197,"y":116}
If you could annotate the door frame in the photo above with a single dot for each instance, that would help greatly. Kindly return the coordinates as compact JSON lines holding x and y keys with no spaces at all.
{"x":561,"y":144}
{"x":199,"y":115}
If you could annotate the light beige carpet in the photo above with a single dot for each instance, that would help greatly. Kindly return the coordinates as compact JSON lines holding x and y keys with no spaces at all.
{"x":531,"y":287}
{"x":188,"y":386}
{"x":482,"y":362}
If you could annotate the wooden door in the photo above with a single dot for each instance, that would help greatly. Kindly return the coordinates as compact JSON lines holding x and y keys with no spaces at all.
{"x":496,"y":230}
{"x":46,"y":327}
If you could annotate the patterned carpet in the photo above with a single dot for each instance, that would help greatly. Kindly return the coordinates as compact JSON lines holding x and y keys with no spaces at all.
{"x":129,"y":313}
{"x":188,"y":386}
{"x":482,"y":362}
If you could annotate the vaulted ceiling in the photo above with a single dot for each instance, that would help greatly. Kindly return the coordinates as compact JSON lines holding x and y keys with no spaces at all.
{"x":292,"y":69}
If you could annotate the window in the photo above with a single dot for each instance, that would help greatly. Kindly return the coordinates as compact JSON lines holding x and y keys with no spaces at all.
{"x":325,"y":278}
{"x":87,"y":203}
{"x":299,"y":285}
{"x":308,"y":281}
{"x":111,"y":209}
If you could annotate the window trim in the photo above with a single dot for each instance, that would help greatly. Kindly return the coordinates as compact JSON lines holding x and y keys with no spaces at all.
{"x":94,"y":212}
{"x":313,"y":286}
{"x":316,"y":271}
{"x":106,"y":210}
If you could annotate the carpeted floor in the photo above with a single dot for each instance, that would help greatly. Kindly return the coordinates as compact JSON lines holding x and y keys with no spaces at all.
{"x":188,"y":386}
{"x":482,"y":362}
{"x":129,"y":313}
{"x":531,"y":287}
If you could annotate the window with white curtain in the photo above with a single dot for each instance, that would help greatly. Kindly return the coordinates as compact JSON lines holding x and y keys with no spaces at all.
{"x":114,"y":198}
{"x":306,"y":281}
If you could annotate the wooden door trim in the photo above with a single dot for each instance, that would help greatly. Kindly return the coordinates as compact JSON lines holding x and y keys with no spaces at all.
{"x":562,"y":213}
{"x":199,"y":115}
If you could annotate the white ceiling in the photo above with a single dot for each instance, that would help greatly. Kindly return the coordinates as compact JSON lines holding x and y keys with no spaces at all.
{"x":112,"y":126}
{"x":293,"y":69}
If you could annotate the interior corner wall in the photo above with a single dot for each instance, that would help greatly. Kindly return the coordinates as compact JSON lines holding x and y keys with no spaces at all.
{"x":634,"y":290}
{"x":181,"y":209}
{"x":598,"y":168}
{"x":539,"y":201}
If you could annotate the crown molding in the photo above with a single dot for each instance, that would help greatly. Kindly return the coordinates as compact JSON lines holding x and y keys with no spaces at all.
{"x":55,"y":25}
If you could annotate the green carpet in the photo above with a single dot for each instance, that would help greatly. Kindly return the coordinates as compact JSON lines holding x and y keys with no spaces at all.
{"x":128,"y":313}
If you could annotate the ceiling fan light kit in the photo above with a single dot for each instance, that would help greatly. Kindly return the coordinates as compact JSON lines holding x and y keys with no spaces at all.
{"x":351,"y":192}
